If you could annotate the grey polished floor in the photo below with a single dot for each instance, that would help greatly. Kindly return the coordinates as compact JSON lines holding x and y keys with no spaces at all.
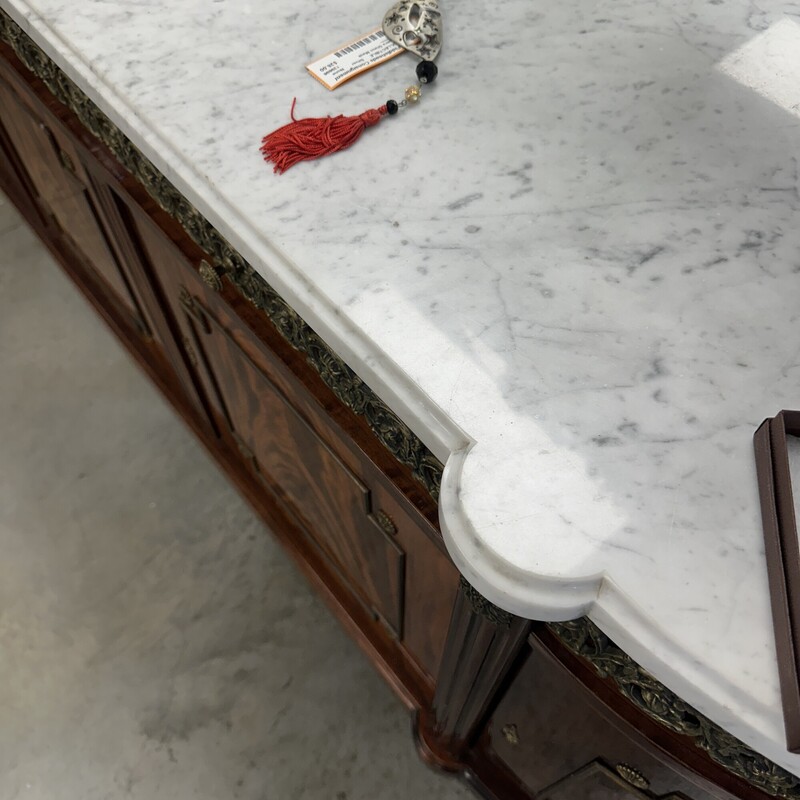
{"x":154,"y":642}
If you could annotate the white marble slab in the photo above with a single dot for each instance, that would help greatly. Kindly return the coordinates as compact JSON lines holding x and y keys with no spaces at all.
{"x":574,"y":269}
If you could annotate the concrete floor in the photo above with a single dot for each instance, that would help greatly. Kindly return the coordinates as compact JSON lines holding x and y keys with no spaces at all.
{"x":154,"y":642}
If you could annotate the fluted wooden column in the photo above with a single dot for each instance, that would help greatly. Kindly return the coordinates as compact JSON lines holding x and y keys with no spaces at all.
{"x":482,"y":644}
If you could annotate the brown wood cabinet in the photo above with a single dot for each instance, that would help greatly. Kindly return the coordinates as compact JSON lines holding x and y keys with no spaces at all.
{"x":504,"y":703}
{"x":247,"y":391}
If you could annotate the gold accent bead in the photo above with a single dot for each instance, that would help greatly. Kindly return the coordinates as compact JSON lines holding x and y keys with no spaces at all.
{"x":413,"y":94}
{"x":632,"y":776}
{"x":511,"y":734}
{"x":386,"y":523}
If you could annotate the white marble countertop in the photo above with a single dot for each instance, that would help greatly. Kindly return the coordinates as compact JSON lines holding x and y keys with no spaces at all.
{"x":573,"y":270}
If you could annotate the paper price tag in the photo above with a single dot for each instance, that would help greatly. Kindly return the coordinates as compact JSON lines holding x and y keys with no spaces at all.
{"x":353,"y":58}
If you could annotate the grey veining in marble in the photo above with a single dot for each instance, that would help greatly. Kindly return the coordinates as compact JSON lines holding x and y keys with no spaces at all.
{"x":573,"y":269}
{"x":154,"y":641}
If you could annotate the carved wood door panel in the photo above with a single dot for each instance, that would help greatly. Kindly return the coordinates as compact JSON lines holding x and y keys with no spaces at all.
{"x":275,"y":439}
{"x":331,"y":501}
{"x":66,"y":198}
{"x":13,"y":177}
{"x":282,"y":448}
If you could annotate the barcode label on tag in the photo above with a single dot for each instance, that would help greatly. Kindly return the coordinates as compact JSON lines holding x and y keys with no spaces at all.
{"x":353,"y":58}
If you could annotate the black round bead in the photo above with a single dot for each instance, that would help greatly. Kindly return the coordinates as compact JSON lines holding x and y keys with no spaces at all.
{"x":427,"y":71}
{"x":391,"y":107}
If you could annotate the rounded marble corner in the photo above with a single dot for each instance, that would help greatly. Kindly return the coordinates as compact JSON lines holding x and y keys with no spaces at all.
{"x":516,"y":590}
{"x":598,"y":597}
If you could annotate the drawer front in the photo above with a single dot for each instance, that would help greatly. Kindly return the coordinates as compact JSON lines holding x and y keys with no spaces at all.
{"x":564,"y":744}
{"x":596,"y":781}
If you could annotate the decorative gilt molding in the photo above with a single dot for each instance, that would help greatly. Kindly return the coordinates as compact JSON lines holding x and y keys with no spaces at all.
{"x":483,"y":608}
{"x":391,"y":431}
{"x":210,"y":276}
{"x":386,"y":523}
{"x":585,"y":639}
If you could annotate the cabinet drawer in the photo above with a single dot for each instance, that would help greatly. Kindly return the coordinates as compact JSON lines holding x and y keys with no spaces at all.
{"x":565,"y":744}
{"x":596,"y":781}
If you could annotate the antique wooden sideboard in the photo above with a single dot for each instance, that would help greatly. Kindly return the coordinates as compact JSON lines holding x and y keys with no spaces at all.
{"x":521,"y":709}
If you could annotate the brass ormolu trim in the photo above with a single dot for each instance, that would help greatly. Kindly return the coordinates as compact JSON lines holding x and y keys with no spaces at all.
{"x":385,"y":523}
{"x":483,"y":608}
{"x":190,"y":352}
{"x":511,"y":734}
{"x":66,"y":161}
{"x":585,"y":639}
{"x":632,"y":776}
{"x":581,"y":636}
{"x":210,"y":276}
{"x":391,"y":431}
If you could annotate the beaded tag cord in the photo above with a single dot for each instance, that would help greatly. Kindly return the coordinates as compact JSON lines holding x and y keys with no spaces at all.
{"x":416,"y":26}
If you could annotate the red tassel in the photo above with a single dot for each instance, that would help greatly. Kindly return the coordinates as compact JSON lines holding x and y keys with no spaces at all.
{"x":307,"y":139}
